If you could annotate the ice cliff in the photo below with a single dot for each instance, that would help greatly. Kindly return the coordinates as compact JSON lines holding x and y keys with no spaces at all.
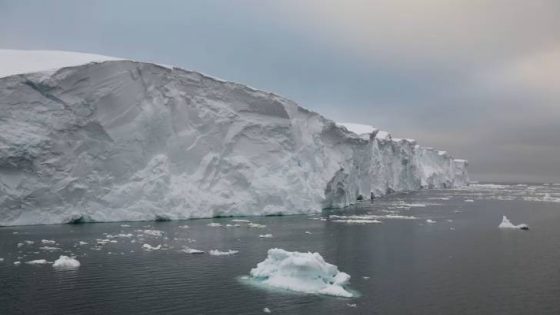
{"x":124,"y":140}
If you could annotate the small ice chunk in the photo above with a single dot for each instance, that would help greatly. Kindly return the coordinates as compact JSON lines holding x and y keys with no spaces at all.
{"x":37,"y":262}
{"x":214,"y":224}
{"x":81,"y":243}
{"x":307,"y":232}
{"x":506,"y":224}
{"x":430,"y":221}
{"x":256,"y":225}
{"x":125,"y":225}
{"x":352,"y":304}
{"x":183,"y":226}
{"x":469,"y":200}
{"x":301,"y":272}
{"x":148,"y":247}
{"x":267,"y":310}
{"x":17,"y":263}
{"x":65,"y":262}
{"x":49,"y":242}
{"x":265,"y":235}
{"x":1,"y":259}
{"x":189,"y":250}
{"x":216,"y":252}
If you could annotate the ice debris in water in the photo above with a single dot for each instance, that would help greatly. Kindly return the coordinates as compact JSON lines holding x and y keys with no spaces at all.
{"x":37,"y":262}
{"x":17,"y":263}
{"x":256,"y":225}
{"x":1,"y":259}
{"x":214,"y":224}
{"x":48,"y":242}
{"x":265,"y":235}
{"x":189,"y":250}
{"x":267,"y":310}
{"x":430,"y":221}
{"x":148,"y":247}
{"x":506,"y":224}
{"x":469,"y":200}
{"x":301,"y":272}
{"x":152,"y":232}
{"x":216,"y":252}
{"x":65,"y":262}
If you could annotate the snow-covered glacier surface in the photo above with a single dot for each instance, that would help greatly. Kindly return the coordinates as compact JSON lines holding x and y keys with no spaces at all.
{"x":124,"y":140}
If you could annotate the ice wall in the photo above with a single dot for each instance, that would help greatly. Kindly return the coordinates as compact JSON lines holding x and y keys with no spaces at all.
{"x":124,"y":140}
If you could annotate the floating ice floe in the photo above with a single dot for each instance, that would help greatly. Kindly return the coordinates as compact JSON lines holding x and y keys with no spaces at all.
{"x":469,"y":200}
{"x":430,"y":221}
{"x":17,"y":263}
{"x":37,"y":262}
{"x":372,"y":217}
{"x":267,"y":310}
{"x":357,"y":221}
{"x":240,"y":221}
{"x":216,"y":252}
{"x":506,"y":224}
{"x":148,"y":247}
{"x":1,"y":259}
{"x":301,"y":272}
{"x":183,"y":226}
{"x":49,"y":242}
{"x":256,"y":225}
{"x":214,"y":224}
{"x":81,"y":243}
{"x":125,"y":225}
{"x":307,"y":232}
{"x":65,"y":262}
{"x":189,"y":250}
{"x":265,"y":235}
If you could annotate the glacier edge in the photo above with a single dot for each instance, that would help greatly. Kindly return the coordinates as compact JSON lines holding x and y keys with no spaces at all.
{"x":129,"y":141}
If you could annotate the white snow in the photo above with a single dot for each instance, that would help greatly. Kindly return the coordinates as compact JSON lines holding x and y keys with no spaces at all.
{"x":131,"y":141}
{"x":506,"y":224}
{"x":216,"y":252}
{"x":359,"y":129}
{"x":301,"y":272}
{"x":24,"y":61}
{"x":65,"y":262}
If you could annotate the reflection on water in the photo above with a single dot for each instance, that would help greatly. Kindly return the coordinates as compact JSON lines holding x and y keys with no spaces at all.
{"x":461,"y":264}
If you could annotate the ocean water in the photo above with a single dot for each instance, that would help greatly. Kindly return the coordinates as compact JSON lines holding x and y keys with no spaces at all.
{"x":461,"y":264}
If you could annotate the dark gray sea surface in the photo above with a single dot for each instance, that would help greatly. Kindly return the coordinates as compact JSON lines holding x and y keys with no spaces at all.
{"x":461,"y":263}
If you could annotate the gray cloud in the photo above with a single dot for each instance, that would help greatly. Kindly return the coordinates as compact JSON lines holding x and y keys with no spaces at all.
{"x":477,"y":78}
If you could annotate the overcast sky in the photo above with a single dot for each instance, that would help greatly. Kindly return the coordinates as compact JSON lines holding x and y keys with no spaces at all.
{"x":478,"y":78}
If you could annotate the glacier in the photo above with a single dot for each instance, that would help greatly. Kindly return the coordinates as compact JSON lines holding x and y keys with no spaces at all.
{"x":122,"y":140}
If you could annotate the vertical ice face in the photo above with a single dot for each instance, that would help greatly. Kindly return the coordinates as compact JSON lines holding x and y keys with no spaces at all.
{"x":124,"y":140}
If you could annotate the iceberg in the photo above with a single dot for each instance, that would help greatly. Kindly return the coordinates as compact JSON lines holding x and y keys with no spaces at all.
{"x":121,"y":140}
{"x":37,"y":262}
{"x":301,"y":272}
{"x":506,"y":224}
